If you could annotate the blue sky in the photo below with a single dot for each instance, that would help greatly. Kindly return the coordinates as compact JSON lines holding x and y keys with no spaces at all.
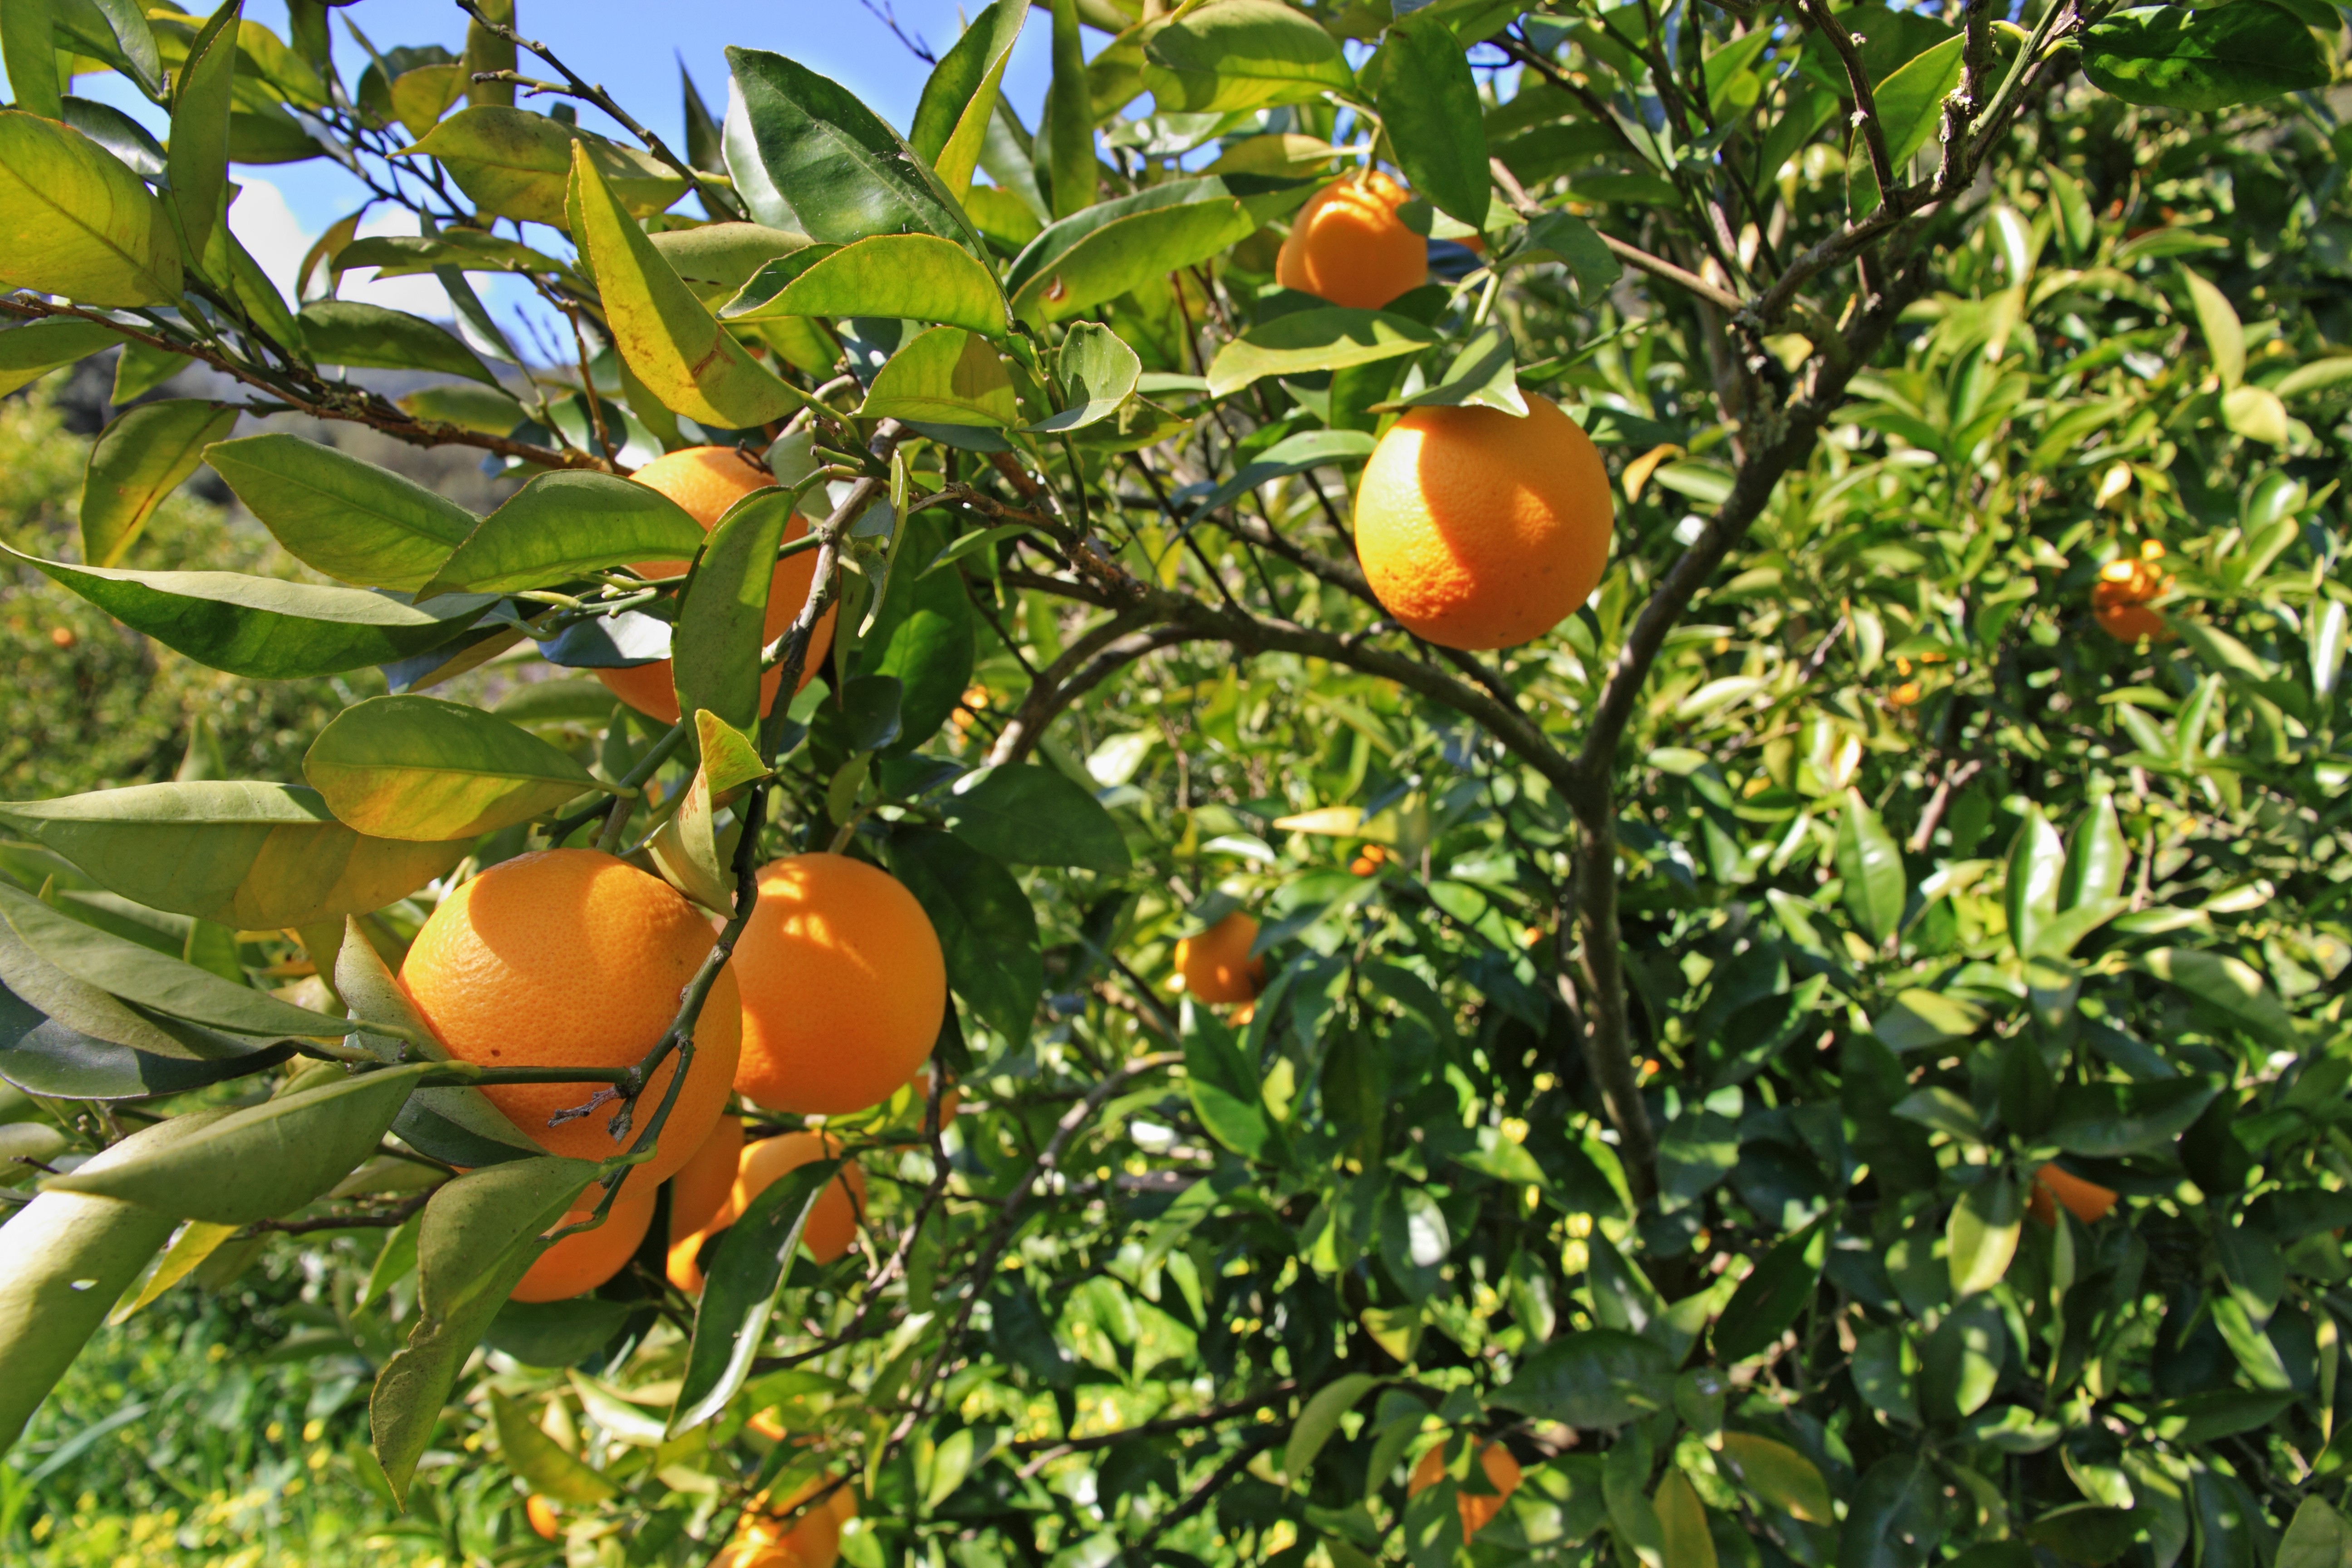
{"x":631,"y":49}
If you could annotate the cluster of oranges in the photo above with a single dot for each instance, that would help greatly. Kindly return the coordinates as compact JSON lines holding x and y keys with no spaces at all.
{"x":2125,"y":588}
{"x":1477,"y":529}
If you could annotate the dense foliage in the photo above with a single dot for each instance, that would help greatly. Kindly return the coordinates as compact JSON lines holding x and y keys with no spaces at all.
{"x":1828,"y":1056}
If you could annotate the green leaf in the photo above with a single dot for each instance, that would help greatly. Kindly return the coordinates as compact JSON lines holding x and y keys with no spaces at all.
{"x":723,"y":608}
{"x":116,"y":31}
{"x":74,"y":221}
{"x":2107,"y":1120}
{"x":2096,"y":858}
{"x":2037,"y":864}
{"x":364,"y":336}
{"x":29,"y":352}
{"x":1484,"y":375}
{"x":738,"y":1294}
{"x":517,"y":164}
{"x":1329,"y":337}
{"x":1780,"y":1476}
{"x":946,"y":375}
{"x":195,"y":167}
{"x":913,"y":277}
{"x":1097,"y":372}
{"x":264,"y":1160}
{"x":1115,"y":247}
{"x":1223,"y":1084}
{"x":30,"y":53}
{"x":2226,"y":984}
{"x":65,"y":1260}
{"x":1566,"y":238}
{"x":1034,"y":817}
{"x":2317,"y":1537}
{"x":338,"y":515}
{"x":959,"y":98}
{"x":2319,"y":375}
{"x":253,"y":856}
{"x":83,"y":1008}
{"x":556,"y":1334}
{"x":1683,"y":1538}
{"x":1599,"y":1378}
{"x":1773,"y":1296}
{"x":1920,"y":1019}
{"x":985,"y":925}
{"x":540,"y":1460}
{"x":844,"y":172}
{"x":928,"y":652}
{"x":1320,"y":1419}
{"x":1981,"y":1236}
{"x":1892,"y":1519}
{"x":42,"y":1055}
{"x":424,"y":770}
{"x":1871,"y":864}
{"x":565,"y":525}
{"x":1241,"y":54}
{"x":1064,"y":149}
{"x":1291,"y":455}
{"x":2208,"y":58}
{"x":2225,"y":336}
{"x":670,"y":342}
{"x":480,"y":1236}
{"x":138,"y":461}
{"x":1429,"y":106}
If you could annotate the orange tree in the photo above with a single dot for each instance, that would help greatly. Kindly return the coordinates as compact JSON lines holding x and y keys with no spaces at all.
{"x":1835,"y":1056}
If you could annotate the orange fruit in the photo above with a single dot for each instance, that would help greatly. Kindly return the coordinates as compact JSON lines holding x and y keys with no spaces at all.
{"x":542,"y":1515}
{"x":702,"y":1183}
{"x":1502,"y":1474}
{"x":830,"y":1229}
{"x":1347,"y":246}
{"x":573,"y":958}
{"x":1907,"y":694}
{"x":773,"y":1540}
{"x":2086,"y":1201}
{"x":578,"y":1264}
{"x":1480,"y":530}
{"x":706,"y":481}
{"x":1216,"y":964}
{"x":2119,"y":598}
{"x":844,"y":987}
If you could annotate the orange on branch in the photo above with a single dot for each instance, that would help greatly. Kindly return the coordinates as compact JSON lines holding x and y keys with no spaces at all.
{"x":706,"y":481}
{"x":578,"y":1264}
{"x":771,"y":1538}
{"x":1216,"y":964}
{"x":1480,"y":530}
{"x":1476,"y":1510}
{"x":844,"y":987}
{"x":830,"y":1227}
{"x":2086,"y":1201}
{"x":540,"y":1514}
{"x":573,"y":958}
{"x":700,"y":1187}
{"x":2119,"y":599}
{"x":1347,"y":246}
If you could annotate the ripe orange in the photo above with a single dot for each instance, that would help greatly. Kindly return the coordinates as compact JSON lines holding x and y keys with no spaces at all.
{"x":1502,"y":1474}
{"x":1369,"y":859}
{"x":573,"y":958}
{"x":1480,"y":530}
{"x":1216,"y":964}
{"x":1347,"y":246}
{"x":2119,"y":598}
{"x":702,"y":1183}
{"x":542,"y":1515}
{"x":706,"y":481}
{"x":2086,"y":1201}
{"x":580,"y":1263}
{"x":844,"y":987}
{"x":830,"y":1227}
{"x":766,"y":1538}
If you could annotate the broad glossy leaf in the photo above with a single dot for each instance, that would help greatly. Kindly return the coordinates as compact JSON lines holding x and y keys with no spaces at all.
{"x":264,"y":1160}
{"x":1034,"y":817}
{"x":1598,"y":1378}
{"x":344,"y":517}
{"x":1112,"y":248}
{"x":842,"y":172}
{"x":1981,"y":1236}
{"x":196,"y":166}
{"x":1892,"y":1519}
{"x":2096,"y":858}
{"x":1683,"y":1538}
{"x":929,"y":651}
{"x":265,"y":626}
{"x":739,"y":1294}
{"x":253,"y":856}
{"x":469,"y":250}
{"x":517,"y":164}
{"x":138,"y":461}
{"x":29,"y":352}
{"x":1063,"y":151}
{"x":1871,"y":864}
{"x":1777,"y":1473}
{"x":480,"y":1236}
{"x":2174,"y":56}
{"x":88,"y":1009}
{"x":1773,"y":1295}
{"x":959,"y":97}
{"x":1242,"y":54}
{"x":424,"y":770}
{"x":356,"y":333}
{"x":725,"y":255}
{"x":116,"y":32}
{"x":722,"y":611}
{"x":1329,"y":337}
{"x":556,"y":1334}
{"x":1098,"y":372}
{"x":944,"y":376}
{"x":2106,"y":1121}
{"x":74,"y":221}
{"x":1484,"y":375}
{"x":1920,"y":1019}
{"x":2037,"y":864}
{"x":913,"y":277}
{"x":985,"y":925}
{"x":1221,"y":1081}
{"x":2226,"y":984}
{"x":1294,"y":455}
{"x":1429,"y":105}
{"x":65,"y":1260}
{"x":564,"y":525}
{"x":141,"y":975}
{"x":540,"y":1461}
{"x":42,"y":1055}
{"x":671,"y":343}
{"x":29,"y":51}
{"x":1320,"y":1419}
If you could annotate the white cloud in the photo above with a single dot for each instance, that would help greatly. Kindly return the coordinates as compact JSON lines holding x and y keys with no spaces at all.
{"x":268,"y":227}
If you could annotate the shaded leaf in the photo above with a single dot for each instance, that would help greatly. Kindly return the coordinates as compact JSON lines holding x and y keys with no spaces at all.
{"x":136,"y":460}
{"x":985,"y":925}
{"x":2173,"y":57}
{"x":1034,"y":817}
{"x":1329,"y":337}
{"x":517,"y":164}
{"x":738,"y":1294}
{"x":1242,"y":54}
{"x":564,"y":525}
{"x":355,"y":333}
{"x":346,"y":518}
